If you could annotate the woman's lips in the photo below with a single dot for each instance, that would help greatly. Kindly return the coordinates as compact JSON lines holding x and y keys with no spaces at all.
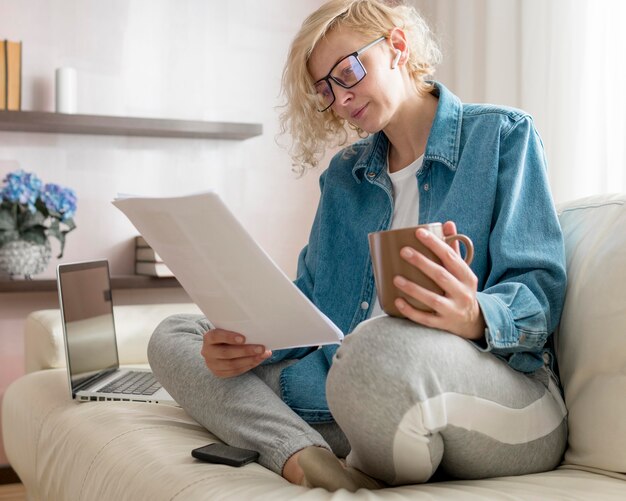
{"x":359,"y":112}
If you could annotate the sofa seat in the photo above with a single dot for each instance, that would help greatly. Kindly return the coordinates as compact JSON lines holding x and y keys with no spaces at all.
{"x":135,"y":451}
{"x":68,"y":451}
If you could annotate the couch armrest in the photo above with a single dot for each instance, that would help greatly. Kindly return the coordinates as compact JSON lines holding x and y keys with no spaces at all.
{"x":591,"y":346}
{"x":134,"y":324}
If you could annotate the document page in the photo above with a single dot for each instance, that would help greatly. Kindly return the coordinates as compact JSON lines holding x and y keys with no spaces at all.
{"x":226,"y":273}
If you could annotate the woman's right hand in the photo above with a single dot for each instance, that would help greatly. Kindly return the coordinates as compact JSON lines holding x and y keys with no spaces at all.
{"x":226,"y":354}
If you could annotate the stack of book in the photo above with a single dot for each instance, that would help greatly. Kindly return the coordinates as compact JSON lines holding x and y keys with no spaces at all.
{"x":10,"y":75}
{"x":147,"y":261}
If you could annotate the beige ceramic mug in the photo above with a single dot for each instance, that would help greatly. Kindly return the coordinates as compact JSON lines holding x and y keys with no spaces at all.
{"x":385,"y":249}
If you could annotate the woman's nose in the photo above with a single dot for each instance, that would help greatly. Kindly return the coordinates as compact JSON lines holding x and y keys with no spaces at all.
{"x":342,"y":96}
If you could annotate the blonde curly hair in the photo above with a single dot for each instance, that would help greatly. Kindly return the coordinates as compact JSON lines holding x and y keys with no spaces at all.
{"x":311,"y":131}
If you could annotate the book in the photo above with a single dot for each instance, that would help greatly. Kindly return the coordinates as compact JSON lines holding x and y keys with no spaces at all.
{"x":14,"y":75}
{"x":141,"y":242}
{"x":153,"y":269}
{"x":147,"y":254}
{"x":147,"y":261}
{"x":226,"y":273}
{"x":3,"y":74}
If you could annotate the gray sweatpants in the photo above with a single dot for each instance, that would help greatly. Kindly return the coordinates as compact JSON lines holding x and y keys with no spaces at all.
{"x":407,"y":401}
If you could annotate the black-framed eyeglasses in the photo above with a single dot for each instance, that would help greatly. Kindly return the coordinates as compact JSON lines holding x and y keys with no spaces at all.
{"x":346,"y":73}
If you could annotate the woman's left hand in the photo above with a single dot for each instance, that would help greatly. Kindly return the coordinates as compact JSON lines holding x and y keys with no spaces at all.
{"x":457,"y":311}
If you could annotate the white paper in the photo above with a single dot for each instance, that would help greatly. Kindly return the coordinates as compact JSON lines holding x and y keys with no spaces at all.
{"x":231,"y":279}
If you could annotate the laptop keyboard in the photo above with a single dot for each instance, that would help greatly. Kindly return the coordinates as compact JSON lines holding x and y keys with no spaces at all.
{"x":133,"y":383}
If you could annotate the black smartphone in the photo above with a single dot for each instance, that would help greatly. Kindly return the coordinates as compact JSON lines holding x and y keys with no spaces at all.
{"x":225,"y":454}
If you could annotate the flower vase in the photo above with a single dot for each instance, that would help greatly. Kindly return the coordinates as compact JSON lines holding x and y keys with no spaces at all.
{"x":21,"y":257}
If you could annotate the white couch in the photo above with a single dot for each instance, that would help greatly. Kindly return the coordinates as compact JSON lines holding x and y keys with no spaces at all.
{"x":63,"y":450}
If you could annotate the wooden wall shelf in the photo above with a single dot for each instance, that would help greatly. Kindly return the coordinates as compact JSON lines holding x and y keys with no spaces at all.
{"x":117,"y":282}
{"x":61,"y":123}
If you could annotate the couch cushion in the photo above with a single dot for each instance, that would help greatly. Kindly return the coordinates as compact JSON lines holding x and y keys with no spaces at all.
{"x":591,"y":342}
{"x":134,"y":324}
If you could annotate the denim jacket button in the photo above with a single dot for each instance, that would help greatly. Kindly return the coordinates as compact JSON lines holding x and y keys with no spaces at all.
{"x":426,"y":187}
{"x":365,"y":305}
{"x":371,"y":174}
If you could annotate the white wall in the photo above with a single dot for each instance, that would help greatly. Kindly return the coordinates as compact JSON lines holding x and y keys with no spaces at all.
{"x":188,"y":59}
{"x":191,"y":59}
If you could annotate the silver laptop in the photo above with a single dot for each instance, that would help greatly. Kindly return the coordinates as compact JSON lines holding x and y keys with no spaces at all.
{"x":90,"y":344}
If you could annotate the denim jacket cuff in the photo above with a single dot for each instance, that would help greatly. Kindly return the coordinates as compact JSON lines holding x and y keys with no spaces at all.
{"x":500,"y":332}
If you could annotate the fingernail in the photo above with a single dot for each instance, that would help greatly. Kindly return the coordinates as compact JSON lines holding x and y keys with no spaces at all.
{"x":407,"y":252}
{"x":400,"y":281}
{"x":239,"y":339}
{"x":423,"y":233}
{"x":259,"y":350}
{"x":400,"y":304}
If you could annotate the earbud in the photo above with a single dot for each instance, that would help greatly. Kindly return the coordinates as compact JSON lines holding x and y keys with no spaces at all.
{"x":396,"y":59}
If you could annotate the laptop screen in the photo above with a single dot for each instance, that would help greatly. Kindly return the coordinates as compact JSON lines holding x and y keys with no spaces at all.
{"x":87,"y":315}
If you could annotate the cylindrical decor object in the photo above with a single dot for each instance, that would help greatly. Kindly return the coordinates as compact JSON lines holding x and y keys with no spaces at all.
{"x":65,"y":90}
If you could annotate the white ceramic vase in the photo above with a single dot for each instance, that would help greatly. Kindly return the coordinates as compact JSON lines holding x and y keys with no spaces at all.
{"x":24,"y":258}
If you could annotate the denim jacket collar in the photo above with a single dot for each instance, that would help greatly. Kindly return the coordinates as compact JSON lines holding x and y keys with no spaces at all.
{"x":443,"y":141}
{"x":373,"y":160}
{"x":445,"y":135}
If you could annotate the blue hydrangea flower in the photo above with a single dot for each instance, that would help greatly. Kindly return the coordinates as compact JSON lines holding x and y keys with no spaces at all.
{"x":23,"y":188}
{"x":32,"y":212}
{"x":60,"y":200}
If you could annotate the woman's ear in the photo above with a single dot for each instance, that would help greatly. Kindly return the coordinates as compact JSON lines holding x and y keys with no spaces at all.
{"x":397,"y":40}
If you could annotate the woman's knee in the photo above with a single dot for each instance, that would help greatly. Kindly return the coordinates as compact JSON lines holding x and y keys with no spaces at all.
{"x":392,"y":354}
{"x":157,"y":344}
{"x":171,"y":335}
{"x":384,"y":343}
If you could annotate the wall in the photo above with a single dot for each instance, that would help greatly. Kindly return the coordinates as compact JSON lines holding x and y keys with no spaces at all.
{"x":191,"y":59}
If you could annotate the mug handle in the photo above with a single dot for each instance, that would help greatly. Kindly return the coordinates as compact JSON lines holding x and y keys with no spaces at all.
{"x":469,"y":245}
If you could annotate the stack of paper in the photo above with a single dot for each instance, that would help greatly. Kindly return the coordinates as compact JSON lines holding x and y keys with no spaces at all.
{"x":231,"y":279}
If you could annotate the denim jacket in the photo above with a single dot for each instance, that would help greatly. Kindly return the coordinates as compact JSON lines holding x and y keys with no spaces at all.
{"x":484,"y":168}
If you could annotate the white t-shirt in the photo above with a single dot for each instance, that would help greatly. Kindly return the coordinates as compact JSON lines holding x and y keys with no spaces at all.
{"x":406,"y":197}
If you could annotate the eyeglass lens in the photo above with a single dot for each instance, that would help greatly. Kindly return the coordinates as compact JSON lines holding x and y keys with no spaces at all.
{"x":346,"y":73}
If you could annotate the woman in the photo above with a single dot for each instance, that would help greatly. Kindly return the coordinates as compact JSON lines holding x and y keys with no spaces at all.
{"x":468,"y":390}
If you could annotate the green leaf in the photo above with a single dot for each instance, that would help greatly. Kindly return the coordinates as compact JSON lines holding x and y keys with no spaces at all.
{"x":7,"y":221}
{"x":7,"y":236}
{"x":35,"y":235}
{"x":28,"y":220}
{"x":42,"y":207}
{"x":55,"y":231}
{"x":69,"y":223}
{"x":54,"y":226}
{"x":62,"y":242}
